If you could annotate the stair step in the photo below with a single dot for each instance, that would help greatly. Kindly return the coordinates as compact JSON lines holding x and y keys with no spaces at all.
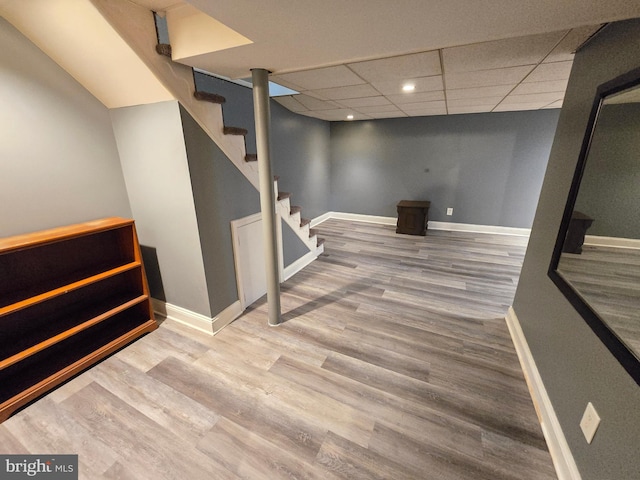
{"x":304,"y":221}
{"x":320,"y":241}
{"x":283,"y":195}
{"x":312,"y":232}
{"x":209,"y":97}
{"x":295,"y":209}
{"x":251,"y":157}
{"x":164,"y":49}
{"x":235,"y":131}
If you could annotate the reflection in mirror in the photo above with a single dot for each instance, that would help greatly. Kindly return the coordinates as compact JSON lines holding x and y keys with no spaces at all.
{"x":598,"y":258}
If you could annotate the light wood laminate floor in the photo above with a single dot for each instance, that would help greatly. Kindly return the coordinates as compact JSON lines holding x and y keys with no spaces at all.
{"x":394,"y":362}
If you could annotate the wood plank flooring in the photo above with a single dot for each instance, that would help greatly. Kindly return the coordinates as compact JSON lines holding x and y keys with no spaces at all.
{"x":394,"y":361}
{"x":608,"y":279}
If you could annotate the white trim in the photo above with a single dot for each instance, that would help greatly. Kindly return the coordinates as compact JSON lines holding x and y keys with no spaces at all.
{"x":616,"y":242}
{"x":358,"y":217}
{"x":469,"y":227}
{"x":235,"y":224}
{"x":320,"y":218}
{"x":226,"y":316}
{"x":195,"y":320}
{"x":299,"y":264}
{"x":433,"y":225}
{"x":563,"y":460}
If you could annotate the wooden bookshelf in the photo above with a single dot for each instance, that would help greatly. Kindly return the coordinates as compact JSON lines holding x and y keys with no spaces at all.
{"x":69,"y":296}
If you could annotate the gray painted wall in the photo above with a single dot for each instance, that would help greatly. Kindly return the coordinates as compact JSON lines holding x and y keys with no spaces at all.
{"x":609,"y":188}
{"x":300,"y":146}
{"x":154,"y":161}
{"x":58,"y":158}
{"x":575,"y":367}
{"x":221,"y":194}
{"x":488,"y":167}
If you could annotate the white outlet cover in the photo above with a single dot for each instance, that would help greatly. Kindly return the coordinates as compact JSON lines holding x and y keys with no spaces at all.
{"x":449,"y":211}
{"x":589,"y":423}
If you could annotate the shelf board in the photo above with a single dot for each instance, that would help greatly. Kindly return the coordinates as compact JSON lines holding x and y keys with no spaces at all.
{"x":67,"y":288}
{"x":70,"y":332}
{"x":12,"y":404}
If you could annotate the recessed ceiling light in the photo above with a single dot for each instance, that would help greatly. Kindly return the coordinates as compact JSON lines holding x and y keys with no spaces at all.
{"x":408,"y":88}
{"x":349,"y":117}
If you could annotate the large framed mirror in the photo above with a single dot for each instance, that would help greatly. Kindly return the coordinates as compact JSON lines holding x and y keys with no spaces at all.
{"x":596,"y":260}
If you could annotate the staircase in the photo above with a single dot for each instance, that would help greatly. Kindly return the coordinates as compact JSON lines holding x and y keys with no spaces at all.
{"x":136,"y":26}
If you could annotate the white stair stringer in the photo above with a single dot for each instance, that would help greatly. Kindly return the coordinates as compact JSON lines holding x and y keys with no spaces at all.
{"x":136,"y":26}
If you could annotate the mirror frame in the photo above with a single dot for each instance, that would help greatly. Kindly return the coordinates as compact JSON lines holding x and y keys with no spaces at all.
{"x":612,"y":341}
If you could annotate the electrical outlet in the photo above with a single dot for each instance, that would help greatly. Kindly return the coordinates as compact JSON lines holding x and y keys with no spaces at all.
{"x":450,"y":211}
{"x":589,"y":423}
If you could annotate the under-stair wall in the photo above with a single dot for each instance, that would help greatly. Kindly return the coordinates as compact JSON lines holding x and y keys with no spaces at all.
{"x":300,"y":153}
{"x":136,"y":26}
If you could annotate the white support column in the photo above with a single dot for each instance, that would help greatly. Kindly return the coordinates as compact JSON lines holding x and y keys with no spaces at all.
{"x":262,"y":115}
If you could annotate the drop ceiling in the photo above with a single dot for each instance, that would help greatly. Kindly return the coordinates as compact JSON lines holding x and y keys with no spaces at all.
{"x":353,"y":57}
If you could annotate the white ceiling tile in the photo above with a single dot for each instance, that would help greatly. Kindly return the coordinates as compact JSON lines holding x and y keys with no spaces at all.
{"x":550,"y":71}
{"x":401,"y":67}
{"x":516,"y":107}
{"x":340,"y":93}
{"x":509,"y":52}
{"x":340,"y":114}
{"x":541,"y":87}
{"x":486,"y":78}
{"x":544,"y":98}
{"x":473,"y":102}
{"x":387,"y":114}
{"x":379,"y":109}
{"x":424,"y":106}
{"x":427,"y":113}
{"x":557,"y":104}
{"x":470,"y":109}
{"x":413,"y":97}
{"x":422,"y":84}
{"x":290,"y":103}
{"x":327,"y":77}
{"x":565,"y":49}
{"x":497,"y":90}
{"x":315,"y":104}
{"x":364,"y":102}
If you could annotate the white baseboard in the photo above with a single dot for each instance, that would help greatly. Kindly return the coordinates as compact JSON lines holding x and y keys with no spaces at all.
{"x":196,"y":320}
{"x":358,"y":217}
{"x":320,"y":219}
{"x":469,"y":227}
{"x":298,"y":265}
{"x":433,"y":225}
{"x":616,"y":242}
{"x":563,"y":461}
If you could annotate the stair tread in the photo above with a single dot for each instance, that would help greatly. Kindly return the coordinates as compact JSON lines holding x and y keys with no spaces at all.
{"x":235,"y":131}
{"x":295,"y":209}
{"x":320,"y":241}
{"x":251,"y":157}
{"x":163,"y":49}
{"x":209,"y":97}
{"x":283,"y":195}
{"x":304,"y":221}
{"x":312,"y":232}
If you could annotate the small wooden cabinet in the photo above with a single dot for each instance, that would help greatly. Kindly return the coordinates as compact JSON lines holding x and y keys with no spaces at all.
{"x":413,"y":217}
{"x":69,"y":297}
{"x":578,"y":226}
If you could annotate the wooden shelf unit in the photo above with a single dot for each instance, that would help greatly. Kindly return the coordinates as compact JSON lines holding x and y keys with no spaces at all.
{"x":69,"y":296}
